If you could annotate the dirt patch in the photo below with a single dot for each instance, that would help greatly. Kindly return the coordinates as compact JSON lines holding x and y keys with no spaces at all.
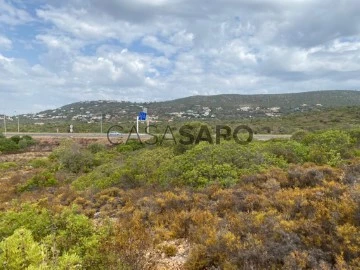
{"x":47,"y":144}
{"x":163,"y":259}
{"x":21,"y":157}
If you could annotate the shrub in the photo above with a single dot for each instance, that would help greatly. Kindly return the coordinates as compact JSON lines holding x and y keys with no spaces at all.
{"x":23,"y":144}
{"x":318,"y":156}
{"x":328,"y":147}
{"x":23,"y":141}
{"x":35,"y":238}
{"x":27,"y":138}
{"x":329,"y":140}
{"x":7,"y":165}
{"x":96,"y":147}
{"x":42,"y":179}
{"x":224,"y":164}
{"x":14,"y":143}
{"x":291,"y":151}
{"x":355,"y":136}
{"x":8,"y":146}
{"x":169,"y":250}
{"x":131,"y":145}
{"x":352,"y":174}
{"x":40,"y":163}
{"x":308,"y":178}
{"x":144,"y":166}
{"x":26,"y":141}
{"x":77,"y":161}
{"x":73,"y":158}
{"x":16,"y":139}
{"x":20,"y":251}
{"x":103,"y":157}
{"x":27,"y":216}
{"x":102,"y":177}
{"x":299,"y":135}
{"x":124,"y":148}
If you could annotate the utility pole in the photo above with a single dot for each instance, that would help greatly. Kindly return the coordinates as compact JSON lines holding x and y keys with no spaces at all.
{"x":4,"y":124}
{"x":18,"y":122}
{"x":137,"y":124}
{"x":101,"y":123}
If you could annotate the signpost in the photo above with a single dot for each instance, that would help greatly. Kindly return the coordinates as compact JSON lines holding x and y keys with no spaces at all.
{"x":141,"y":117}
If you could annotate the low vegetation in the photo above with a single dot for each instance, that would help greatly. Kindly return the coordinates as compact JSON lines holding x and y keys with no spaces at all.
{"x":15,"y":143}
{"x":280,"y":204}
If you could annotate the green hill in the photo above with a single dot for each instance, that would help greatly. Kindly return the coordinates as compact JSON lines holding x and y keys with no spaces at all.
{"x":226,"y":106}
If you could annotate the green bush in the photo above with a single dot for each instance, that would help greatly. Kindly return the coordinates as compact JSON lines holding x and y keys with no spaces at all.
{"x":42,"y":179}
{"x":142,"y":167}
{"x":16,"y":139}
{"x":328,"y":147}
{"x":131,"y":145}
{"x":77,"y":161}
{"x":224,"y":164}
{"x":8,"y":146}
{"x":329,"y":140}
{"x":27,"y":216}
{"x":124,"y":148}
{"x":20,"y":251}
{"x":102,"y":177}
{"x":291,"y":151}
{"x":32,"y":237}
{"x":96,"y":148}
{"x":40,"y":163}
{"x":23,"y":144}
{"x":15,"y":143}
{"x":299,"y":135}
{"x":7,"y":165}
{"x":23,"y":141}
{"x":355,"y":136}
{"x":104,"y":157}
{"x":27,"y":138}
{"x":73,"y":158}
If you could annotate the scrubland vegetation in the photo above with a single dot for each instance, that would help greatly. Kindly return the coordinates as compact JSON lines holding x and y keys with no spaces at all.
{"x":280,"y":204}
{"x":15,"y":143}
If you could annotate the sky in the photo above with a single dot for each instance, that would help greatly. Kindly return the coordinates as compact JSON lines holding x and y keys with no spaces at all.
{"x":57,"y":52}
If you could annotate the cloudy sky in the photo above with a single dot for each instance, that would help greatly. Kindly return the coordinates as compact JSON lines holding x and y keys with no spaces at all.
{"x":57,"y":52}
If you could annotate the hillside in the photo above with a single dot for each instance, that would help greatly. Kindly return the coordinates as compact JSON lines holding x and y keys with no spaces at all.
{"x":227,"y":106}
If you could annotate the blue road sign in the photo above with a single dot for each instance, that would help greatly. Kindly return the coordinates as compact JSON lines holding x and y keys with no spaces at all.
{"x":142,"y":116}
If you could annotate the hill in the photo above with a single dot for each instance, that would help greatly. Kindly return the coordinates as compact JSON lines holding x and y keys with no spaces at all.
{"x":226,"y":106}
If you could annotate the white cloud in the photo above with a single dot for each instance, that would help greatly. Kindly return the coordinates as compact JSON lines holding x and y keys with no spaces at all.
{"x":154,"y":42}
{"x":338,"y":46}
{"x":182,"y":39}
{"x":87,"y":49}
{"x":5,"y":43}
{"x":62,"y":43}
{"x":11,"y":15}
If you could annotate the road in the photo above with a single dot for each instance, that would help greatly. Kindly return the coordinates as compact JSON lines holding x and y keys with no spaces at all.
{"x":260,"y":137}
